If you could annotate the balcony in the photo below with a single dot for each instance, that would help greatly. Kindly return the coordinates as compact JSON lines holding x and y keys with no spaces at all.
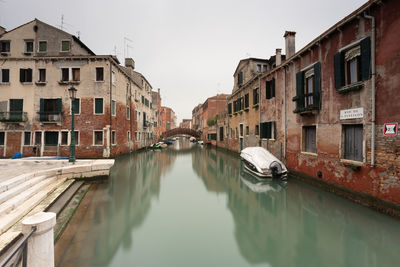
{"x":13,"y":116}
{"x":147,"y":124}
{"x":50,"y":117}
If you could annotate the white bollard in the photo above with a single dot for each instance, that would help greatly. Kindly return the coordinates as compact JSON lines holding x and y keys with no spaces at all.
{"x":41,"y":243}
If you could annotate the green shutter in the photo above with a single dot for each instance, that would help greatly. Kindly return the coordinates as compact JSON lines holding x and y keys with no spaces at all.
{"x":365,"y":46}
{"x":338,"y":61}
{"x":317,"y":85}
{"x":268,"y":130}
{"x":76,"y":106}
{"x":41,"y":110}
{"x":274,"y":123}
{"x":21,"y":75}
{"x":273,"y":87}
{"x":6,"y":75}
{"x":268,"y":90}
{"x":58,"y":105}
{"x":299,"y":91}
{"x":29,"y":74}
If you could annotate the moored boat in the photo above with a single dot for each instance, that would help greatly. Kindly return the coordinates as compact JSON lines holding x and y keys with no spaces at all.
{"x":261,"y":163}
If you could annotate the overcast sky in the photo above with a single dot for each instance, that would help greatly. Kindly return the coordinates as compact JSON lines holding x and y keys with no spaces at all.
{"x":189,"y":49}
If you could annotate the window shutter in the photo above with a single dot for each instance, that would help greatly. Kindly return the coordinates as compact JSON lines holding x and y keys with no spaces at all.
{"x":41,"y":110}
{"x":268,"y":130}
{"x":365,"y":46}
{"x":21,"y":75}
{"x":273,"y":87}
{"x":58,"y":105}
{"x":317,"y":85}
{"x":338,"y":61}
{"x":29,"y":74}
{"x":16,"y":105}
{"x":6,"y":75}
{"x":76,"y":107}
{"x":267,"y":89}
{"x":299,"y":91}
{"x":274,"y":124}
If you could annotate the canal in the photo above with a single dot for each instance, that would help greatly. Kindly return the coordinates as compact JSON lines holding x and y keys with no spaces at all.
{"x":192,"y":206}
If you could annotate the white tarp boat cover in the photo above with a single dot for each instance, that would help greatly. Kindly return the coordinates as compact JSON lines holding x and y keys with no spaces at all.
{"x":260,"y":158}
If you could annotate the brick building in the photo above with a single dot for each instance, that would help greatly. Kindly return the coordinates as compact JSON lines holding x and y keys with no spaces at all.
{"x":168,"y":119}
{"x":39,"y":63}
{"x":330,"y":110}
{"x":156,"y":99}
{"x":186,"y":123}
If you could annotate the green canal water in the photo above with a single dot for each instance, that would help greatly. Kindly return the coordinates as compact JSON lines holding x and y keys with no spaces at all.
{"x":193,"y":206}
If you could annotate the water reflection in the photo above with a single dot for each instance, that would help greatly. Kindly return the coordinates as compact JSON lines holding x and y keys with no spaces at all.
{"x":273,"y":223}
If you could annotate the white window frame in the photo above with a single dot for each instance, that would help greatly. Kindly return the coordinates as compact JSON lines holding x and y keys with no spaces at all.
{"x":25,"y":46}
{"x":38,"y":75}
{"x":38,"y":46}
{"x":94,"y":106}
{"x":94,"y":137}
{"x":128,"y":114}
{"x":113,"y":77}
{"x":69,"y":74}
{"x":65,"y":40}
{"x":80,"y":106}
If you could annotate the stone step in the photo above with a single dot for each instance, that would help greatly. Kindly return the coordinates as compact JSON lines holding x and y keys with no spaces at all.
{"x":17,"y":200}
{"x":12,"y":192}
{"x":10,"y":183}
{"x":21,"y":210}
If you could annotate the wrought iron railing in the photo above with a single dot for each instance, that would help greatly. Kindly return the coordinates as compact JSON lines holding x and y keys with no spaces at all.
{"x":19,"y":252}
{"x":49,"y":116}
{"x":13,"y":116}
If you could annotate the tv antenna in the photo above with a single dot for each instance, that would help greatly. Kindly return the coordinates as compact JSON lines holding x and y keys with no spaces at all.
{"x":126,"y":46}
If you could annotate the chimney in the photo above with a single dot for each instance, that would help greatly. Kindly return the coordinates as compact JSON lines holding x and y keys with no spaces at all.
{"x":2,"y":30}
{"x":290,"y":43}
{"x":158,"y":91}
{"x":129,"y":63}
{"x":278,"y":57}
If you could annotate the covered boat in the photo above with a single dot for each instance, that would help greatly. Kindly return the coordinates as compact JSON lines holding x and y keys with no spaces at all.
{"x":262,"y":163}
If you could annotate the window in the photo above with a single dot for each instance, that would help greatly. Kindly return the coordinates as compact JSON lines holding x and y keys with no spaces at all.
{"x":246,"y":101}
{"x":247,"y":130}
{"x":309,"y":139}
{"x":99,"y":74}
{"x":5,"y":76}
{"x":255,"y":96}
{"x":113,"y":112}
{"x":241,"y":130}
{"x":129,"y":136}
{"x":136,"y":115}
{"x":221,"y":133}
{"x":25,"y":75}
{"x":50,"y":138}
{"x":308,"y":89}
{"x":353,"y":140}
{"x":238,"y":105}
{"x":212,"y":136}
{"x":76,"y":105}
{"x":270,"y":89}
{"x":230,"y":108}
{"x":76,"y":137}
{"x":4,"y":46}
{"x":27,"y":138}
{"x":113,"y":137}
{"x":128,"y":113}
{"x":258,"y":67}
{"x":64,"y":74}
{"x":29,"y":46}
{"x":2,"y":138}
{"x":240,"y":78}
{"x":113,"y":78}
{"x":42,"y":75}
{"x":42,"y":47}
{"x":268,"y":130}
{"x":76,"y":74}
{"x":142,"y":99}
{"x":257,"y":129}
{"x":264,"y":68}
{"x":16,"y":109}
{"x":352,"y":65}
{"x":64,"y":138}
{"x":98,"y":138}
{"x":50,"y":110}
{"x":65,"y":46}
{"x":98,"y":106}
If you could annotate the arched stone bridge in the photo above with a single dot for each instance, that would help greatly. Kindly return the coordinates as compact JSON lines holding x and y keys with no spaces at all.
{"x":180,"y":131}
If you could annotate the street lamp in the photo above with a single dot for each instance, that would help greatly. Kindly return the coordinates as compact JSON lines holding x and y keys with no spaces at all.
{"x":72,"y":96}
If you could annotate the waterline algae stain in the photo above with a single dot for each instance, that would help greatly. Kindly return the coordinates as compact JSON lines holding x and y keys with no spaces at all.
{"x":194,"y":206}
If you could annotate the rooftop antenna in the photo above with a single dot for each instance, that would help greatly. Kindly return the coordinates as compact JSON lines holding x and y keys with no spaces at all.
{"x":115,"y":50}
{"x":62,"y":22}
{"x":248,"y":55}
{"x":126,"y":40}
{"x":79,"y":34}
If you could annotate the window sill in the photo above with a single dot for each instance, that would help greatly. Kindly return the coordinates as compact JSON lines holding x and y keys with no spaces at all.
{"x":5,"y":54}
{"x":351,"y":87}
{"x":246,"y":109}
{"x":4,"y":83}
{"x":41,"y":83}
{"x":26,"y":83}
{"x":27,"y":53}
{"x":348,"y":162}
{"x":255,"y":106}
{"x":99,"y":81}
{"x":309,"y":153}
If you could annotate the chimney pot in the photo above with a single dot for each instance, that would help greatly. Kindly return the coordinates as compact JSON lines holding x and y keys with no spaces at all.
{"x":278,"y":57}
{"x":290,"y":43}
{"x":130,"y":63}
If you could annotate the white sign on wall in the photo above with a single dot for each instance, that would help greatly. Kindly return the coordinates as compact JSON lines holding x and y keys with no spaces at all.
{"x":354,"y":113}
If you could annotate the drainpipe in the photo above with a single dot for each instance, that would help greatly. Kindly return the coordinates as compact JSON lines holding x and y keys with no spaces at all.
{"x":284,"y":114}
{"x":373,"y":87}
{"x":109,"y":140}
{"x":259,"y":111}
